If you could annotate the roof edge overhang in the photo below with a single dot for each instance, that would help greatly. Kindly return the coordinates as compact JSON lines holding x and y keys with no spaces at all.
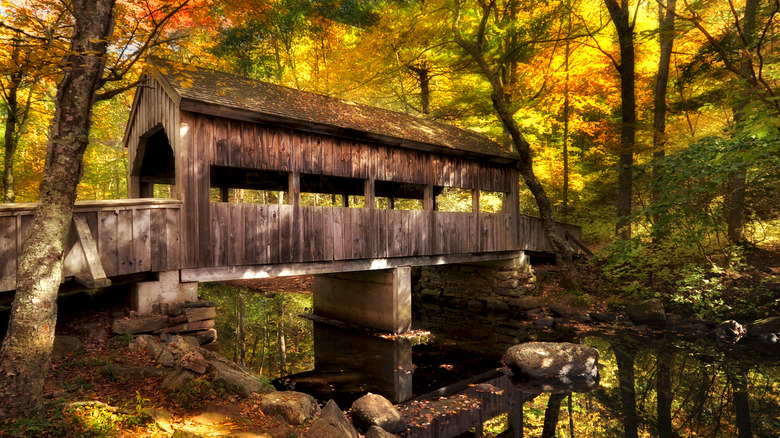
{"x":196,"y":106}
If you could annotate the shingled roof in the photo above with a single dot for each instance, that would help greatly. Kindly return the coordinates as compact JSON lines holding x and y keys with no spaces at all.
{"x":195,"y":86}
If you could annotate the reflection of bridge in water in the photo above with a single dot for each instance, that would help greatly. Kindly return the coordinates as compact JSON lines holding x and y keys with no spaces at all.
{"x":242,"y":161}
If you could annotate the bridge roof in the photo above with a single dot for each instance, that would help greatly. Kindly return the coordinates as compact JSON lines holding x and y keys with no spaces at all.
{"x":201,"y":90}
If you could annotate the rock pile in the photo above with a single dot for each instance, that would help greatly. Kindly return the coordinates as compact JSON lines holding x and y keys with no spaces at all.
{"x":194,"y":319}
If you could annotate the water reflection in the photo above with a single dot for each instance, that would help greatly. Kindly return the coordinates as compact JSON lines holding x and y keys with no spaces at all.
{"x":665,"y":387}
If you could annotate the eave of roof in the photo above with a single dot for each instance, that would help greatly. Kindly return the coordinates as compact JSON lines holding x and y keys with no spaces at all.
{"x":216,"y":93}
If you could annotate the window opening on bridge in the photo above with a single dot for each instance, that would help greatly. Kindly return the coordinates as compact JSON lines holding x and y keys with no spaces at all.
{"x":399,"y":196}
{"x":491,"y":202}
{"x":454,"y":199}
{"x":238,"y":185}
{"x":155,"y":165}
{"x":332,"y":191}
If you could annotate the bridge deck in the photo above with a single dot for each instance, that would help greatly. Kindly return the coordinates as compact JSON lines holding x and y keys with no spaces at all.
{"x":258,"y":240}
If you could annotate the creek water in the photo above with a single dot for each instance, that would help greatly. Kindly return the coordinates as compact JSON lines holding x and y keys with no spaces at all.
{"x":650,"y":384}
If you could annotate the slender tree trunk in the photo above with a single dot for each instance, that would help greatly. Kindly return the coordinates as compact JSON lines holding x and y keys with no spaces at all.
{"x":666,"y":41}
{"x":240,"y":356}
{"x":26,"y":353}
{"x":739,"y":385}
{"x":570,"y":278}
{"x":620,"y":15}
{"x":282,"y":347}
{"x":736,"y":211}
{"x":11,"y":139}
{"x":423,"y":75}
{"x":625,"y":365}
{"x":571,"y":418}
{"x":663,"y":389}
{"x":551,"y":415}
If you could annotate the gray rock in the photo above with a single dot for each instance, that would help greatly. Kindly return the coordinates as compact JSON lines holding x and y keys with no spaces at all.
{"x":768,"y":338}
{"x":166,"y":358}
{"x":648,"y":312}
{"x":543,"y":360}
{"x":375,"y":410}
{"x":545,"y":321}
{"x":332,"y":423}
{"x":768,"y":325}
{"x":604,"y":317}
{"x":177,"y":379}
{"x":241,"y":383}
{"x":293,"y":407}
{"x":690,"y":328}
{"x":141,"y":324}
{"x":732,"y":329}
{"x":65,"y":346}
{"x":378,"y":432}
{"x":527,"y":303}
{"x":193,"y":361}
{"x":568,"y":305}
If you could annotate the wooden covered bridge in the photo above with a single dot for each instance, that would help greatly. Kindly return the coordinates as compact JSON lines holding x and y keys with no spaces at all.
{"x":232,"y":178}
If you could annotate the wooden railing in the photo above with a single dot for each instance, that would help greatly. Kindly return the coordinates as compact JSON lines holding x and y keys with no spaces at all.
{"x":254,"y":234}
{"x":131,"y":236}
{"x":532,"y":236}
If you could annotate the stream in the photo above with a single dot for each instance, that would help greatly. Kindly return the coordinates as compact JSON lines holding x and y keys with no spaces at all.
{"x":656,"y":385}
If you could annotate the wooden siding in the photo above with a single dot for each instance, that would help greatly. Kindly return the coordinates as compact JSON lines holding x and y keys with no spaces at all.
{"x":234,"y":143}
{"x":255,"y":234}
{"x":138,"y":235}
{"x":532,"y":238}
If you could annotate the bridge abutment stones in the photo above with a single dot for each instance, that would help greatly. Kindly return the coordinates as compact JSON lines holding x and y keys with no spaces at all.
{"x":380,"y":299}
{"x":493,"y":285}
{"x":148,"y":296}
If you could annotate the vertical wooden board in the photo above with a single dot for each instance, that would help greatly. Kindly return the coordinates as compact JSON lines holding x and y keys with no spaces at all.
{"x":308,"y":231}
{"x":221,"y":140}
{"x":173,"y":237}
{"x":23,"y":231}
{"x":142,"y":244}
{"x":317,"y":152}
{"x":271,"y":137}
{"x":158,"y":240}
{"x":272,"y":235}
{"x":380,"y":162}
{"x":125,"y":263}
{"x":107,"y":239}
{"x":380,"y":233}
{"x":248,"y":145}
{"x":362,"y":248}
{"x":328,"y":157}
{"x":338,"y":233}
{"x":237,"y":238}
{"x":349,"y":232}
{"x":318,"y":238}
{"x":397,"y":229}
{"x":296,"y":147}
{"x":220,"y":233}
{"x":285,"y":150}
{"x":234,"y":142}
{"x":285,"y":233}
{"x":327,"y":233}
{"x":258,"y":221}
{"x":261,"y":134}
{"x":250,"y":234}
{"x":187,"y":186}
{"x":8,"y":253}
{"x":202,"y":182}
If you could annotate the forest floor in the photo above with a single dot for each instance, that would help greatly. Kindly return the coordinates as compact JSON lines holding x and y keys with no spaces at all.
{"x":202,"y":411}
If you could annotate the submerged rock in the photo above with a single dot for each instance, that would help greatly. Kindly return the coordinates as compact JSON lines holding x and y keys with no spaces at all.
{"x":648,"y":312}
{"x":768,"y":325}
{"x":375,"y":410}
{"x":291,"y":406}
{"x":545,"y":360}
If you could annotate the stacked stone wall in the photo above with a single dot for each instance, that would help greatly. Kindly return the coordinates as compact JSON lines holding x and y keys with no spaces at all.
{"x":499,"y":285}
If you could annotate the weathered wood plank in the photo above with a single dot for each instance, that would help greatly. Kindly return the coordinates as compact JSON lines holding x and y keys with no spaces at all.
{"x":142,"y":244}
{"x":95,"y":275}
{"x":220,"y":233}
{"x":237,"y":238}
{"x":273,"y":235}
{"x":285,"y":233}
{"x":338,"y":233}
{"x":107,"y":232}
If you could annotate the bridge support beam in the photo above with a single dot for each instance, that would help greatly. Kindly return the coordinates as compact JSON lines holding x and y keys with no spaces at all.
{"x":148,"y":296}
{"x":380,"y":299}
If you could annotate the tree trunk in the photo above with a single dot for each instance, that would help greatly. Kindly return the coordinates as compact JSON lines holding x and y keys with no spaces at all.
{"x":26,"y":351}
{"x":282,"y":347}
{"x":736,"y":210}
{"x":11,"y":139}
{"x":570,"y":278}
{"x":625,"y":365}
{"x":620,"y":15}
{"x":423,"y":75}
{"x":666,"y":41}
{"x":551,"y":415}
{"x":663,"y":389}
{"x":240,"y":356}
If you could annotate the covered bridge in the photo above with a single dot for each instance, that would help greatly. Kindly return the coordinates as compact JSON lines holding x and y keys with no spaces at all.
{"x":265,"y":180}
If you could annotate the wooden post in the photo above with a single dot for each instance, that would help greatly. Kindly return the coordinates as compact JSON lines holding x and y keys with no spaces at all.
{"x":368,"y":193}
{"x":345,"y":201}
{"x":294,"y":188}
{"x":475,"y":201}
{"x":224,"y":194}
{"x":429,"y":201}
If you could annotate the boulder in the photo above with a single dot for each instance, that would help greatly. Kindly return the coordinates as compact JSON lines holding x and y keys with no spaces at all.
{"x":378,"y":432}
{"x":122,"y":371}
{"x":177,"y":379}
{"x":65,"y":346}
{"x":193,"y":361}
{"x":217,"y":413}
{"x":544,"y":360}
{"x":375,"y":410}
{"x":293,"y":407}
{"x":568,"y":305}
{"x":545,"y":321}
{"x":767,"y":338}
{"x":162,"y":417}
{"x":527,"y":303}
{"x":648,"y":312}
{"x":241,"y":383}
{"x":732,"y":329}
{"x":768,"y":325}
{"x":332,"y":423}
